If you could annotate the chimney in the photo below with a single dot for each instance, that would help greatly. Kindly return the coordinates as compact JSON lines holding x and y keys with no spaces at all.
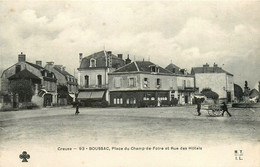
{"x":205,"y":68}
{"x":50,"y":63}
{"x":39,"y":63}
{"x":109,"y":58}
{"x":127,"y":61}
{"x":80,"y":58}
{"x":21,"y":57}
{"x":215,"y":67}
{"x":63,"y":68}
{"x":120,"y":56}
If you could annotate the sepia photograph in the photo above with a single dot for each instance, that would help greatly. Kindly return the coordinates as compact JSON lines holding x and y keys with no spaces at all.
{"x":129,"y":83}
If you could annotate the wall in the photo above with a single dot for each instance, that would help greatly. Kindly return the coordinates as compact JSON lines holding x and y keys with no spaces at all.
{"x":167,"y":82}
{"x":92,"y":73}
{"x":189,"y":79}
{"x":230,"y":86}
{"x":60,"y":77}
{"x":215,"y":81}
{"x":11,"y":71}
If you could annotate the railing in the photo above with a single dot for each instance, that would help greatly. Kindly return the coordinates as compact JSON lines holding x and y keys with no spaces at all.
{"x":93,"y":86}
{"x":185,"y":88}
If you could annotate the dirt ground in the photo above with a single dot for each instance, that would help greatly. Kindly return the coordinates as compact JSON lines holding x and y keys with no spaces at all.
{"x":49,"y":128}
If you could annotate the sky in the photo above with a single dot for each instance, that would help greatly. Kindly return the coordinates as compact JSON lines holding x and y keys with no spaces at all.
{"x":188,"y":33}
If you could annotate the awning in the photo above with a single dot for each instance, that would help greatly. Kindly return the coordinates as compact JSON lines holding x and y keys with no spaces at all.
{"x":84,"y":95}
{"x":72,"y":95}
{"x":91,"y":95}
{"x":97,"y":95}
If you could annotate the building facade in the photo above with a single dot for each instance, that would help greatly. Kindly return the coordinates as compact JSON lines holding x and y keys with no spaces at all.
{"x":93,"y":75}
{"x":185,"y":85}
{"x":141,"y":83}
{"x":44,"y":81}
{"x":67,"y":85}
{"x":219,"y":80}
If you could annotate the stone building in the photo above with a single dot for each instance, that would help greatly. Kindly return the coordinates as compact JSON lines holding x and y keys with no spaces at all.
{"x":219,"y":80}
{"x":44,"y":81}
{"x":185,"y":85}
{"x":67,"y":85}
{"x":141,"y":83}
{"x":93,"y":75}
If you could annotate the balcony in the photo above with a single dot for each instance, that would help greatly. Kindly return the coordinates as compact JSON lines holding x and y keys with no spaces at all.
{"x":94,"y":86}
{"x":186,"y":88}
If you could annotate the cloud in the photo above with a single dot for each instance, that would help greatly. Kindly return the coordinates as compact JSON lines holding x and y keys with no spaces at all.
{"x":188,"y":33}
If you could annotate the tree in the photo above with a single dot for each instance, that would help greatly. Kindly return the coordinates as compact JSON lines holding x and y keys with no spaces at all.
{"x":23,"y":88}
{"x":209,"y":93}
{"x":238,"y":92}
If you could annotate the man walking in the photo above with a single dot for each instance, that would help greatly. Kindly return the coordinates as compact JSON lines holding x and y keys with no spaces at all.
{"x":198,"y":106}
{"x":77,"y":109}
{"x":224,"y":108}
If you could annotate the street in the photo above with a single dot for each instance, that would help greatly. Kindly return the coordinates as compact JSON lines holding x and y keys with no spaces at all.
{"x":101,"y":127}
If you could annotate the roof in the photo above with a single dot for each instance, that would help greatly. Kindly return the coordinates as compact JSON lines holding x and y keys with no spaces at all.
{"x":196,"y":70}
{"x":171,"y":66}
{"x":24,"y":74}
{"x":141,"y":66}
{"x":36,"y":66}
{"x":100,"y":57}
{"x":63,"y":72}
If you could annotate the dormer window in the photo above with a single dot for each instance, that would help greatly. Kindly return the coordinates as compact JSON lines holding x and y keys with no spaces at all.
{"x":92,"y":62}
{"x":154,"y":68}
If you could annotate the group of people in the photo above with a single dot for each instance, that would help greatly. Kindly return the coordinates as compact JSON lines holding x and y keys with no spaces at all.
{"x":224,"y":108}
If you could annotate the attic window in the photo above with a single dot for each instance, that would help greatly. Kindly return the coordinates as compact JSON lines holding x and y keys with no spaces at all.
{"x":92,"y":63}
{"x":173,"y":70}
{"x":154,"y":68}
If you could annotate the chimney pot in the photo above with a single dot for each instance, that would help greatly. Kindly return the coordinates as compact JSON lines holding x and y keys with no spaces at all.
{"x":120,"y":56}
{"x":21,"y":57}
{"x":50,"y":63}
{"x":39,"y":63}
{"x":127,"y":61}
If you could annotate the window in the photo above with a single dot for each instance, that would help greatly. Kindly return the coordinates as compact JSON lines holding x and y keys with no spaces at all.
{"x":132,"y":101}
{"x":158,"y":82}
{"x":117,"y":82}
{"x":146,"y":83}
{"x":86,"y":81}
{"x":132,"y":82}
{"x":183,"y":83}
{"x":154,"y":68}
{"x":173,"y":70}
{"x":99,"y":80}
{"x":118,"y":100}
{"x":188,"y":83}
{"x":92,"y":63}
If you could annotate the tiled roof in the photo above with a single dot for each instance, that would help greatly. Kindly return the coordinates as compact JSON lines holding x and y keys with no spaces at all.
{"x":171,"y":66}
{"x":195,"y":70}
{"x":100,"y":58}
{"x":131,"y":67}
{"x":141,"y":66}
{"x":63,"y":72}
{"x":24,"y":74}
{"x":36,"y":66}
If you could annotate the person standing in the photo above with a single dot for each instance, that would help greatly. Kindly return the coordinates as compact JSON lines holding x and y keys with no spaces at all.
{"x":224,"y":108}
{"x":198,"y":106}
{"x":77,"y":109}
